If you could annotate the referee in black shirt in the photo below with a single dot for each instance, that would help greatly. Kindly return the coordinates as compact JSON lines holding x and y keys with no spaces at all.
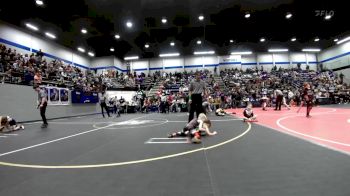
{"x":197,"y":88}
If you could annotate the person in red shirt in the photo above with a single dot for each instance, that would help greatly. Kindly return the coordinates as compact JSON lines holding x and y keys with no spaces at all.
{"x":308,"y":97}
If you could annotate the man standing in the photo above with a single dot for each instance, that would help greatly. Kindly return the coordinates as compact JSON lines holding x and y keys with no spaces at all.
{"x":197,"y":87}
{"x":279,"y":99}
{"x":102,"y":97}
{"x":42,"y":103}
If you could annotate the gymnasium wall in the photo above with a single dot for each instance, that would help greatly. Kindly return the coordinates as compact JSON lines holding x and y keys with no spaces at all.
{"x":26,"y":42}
{"x":194,"y":63}
{"x":102,"y":64}
{"x":335,"y":57}
{"x":24,"y":108}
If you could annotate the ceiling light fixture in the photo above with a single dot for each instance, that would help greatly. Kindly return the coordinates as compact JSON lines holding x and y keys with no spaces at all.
{"x":84,"y":31}
{"x":131,"y":58}
{"x":81,"y":49}
{"x":335,"y":40}
{"x":203,"y":52}
{"x":111,"y":49}
{"x":328,"y":17}
{"x":278,"y":50}
{"x":199,"y":42}
{"x":317,"y":39}
{"x":293,"y":39}
{"x":172,"y":44}
{"x":262,"y":39}
{"x":311,"y":50}
{"x":50,"y":35}
{"x":247,"y":15}
{"x":32,"y":27}
{"x":201,"y":17}
{"x":242,"y":53}
{"x":129,"y":24}
{"x":39,"y":2}
{"x":289,"y":15}
{"x":343,"y":40}
{"x":164,"y":20}
{"x":91,"y":54}
{"x":169,"y":54}
{"x":146,"y":45}
{"x":117,"y":36}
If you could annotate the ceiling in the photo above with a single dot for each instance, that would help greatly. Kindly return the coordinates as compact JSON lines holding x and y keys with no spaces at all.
{"x":224,"y":21}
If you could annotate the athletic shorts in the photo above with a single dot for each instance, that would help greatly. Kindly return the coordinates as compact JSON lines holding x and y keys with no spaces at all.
{"x":12,"y":122}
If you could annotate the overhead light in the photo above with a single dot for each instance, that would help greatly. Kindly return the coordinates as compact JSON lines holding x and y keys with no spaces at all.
{"x":91,"y":54}
{"x":84,"y":31}
{"x":111,"y":49}
{"x":327,"y":17}
{"x":164,"y":20}
{"x":242,"y":53}
{"x":146,"y":45}
{"x":203,"y":52}
{"x":311,"y":50}
{"x":278,"y":50}
{"x":293,"y":39}
{"x":129,"y":24}
{"x":172,"y":44}
{"x":131,"y":58}
{"x":201,"y":17}
{"x":39,"y":2}
{"x":289,"y":15}
{"x":117,"y":36}
{"x":32,"y":27}
{"x":199,"y":42}
{"x":343,"y":40}
{"x":247,"y":15}
{"x":317,"y":39}
{"x":335,"y":40}
{"x":231,"y":40}
{"x":50,"y":35}
{"x":262,"y":39}
{"x":81,"y":49}
{"x":169,"y":54}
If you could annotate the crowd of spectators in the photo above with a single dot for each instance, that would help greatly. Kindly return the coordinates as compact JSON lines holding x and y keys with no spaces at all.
{"x":34,"y":68}
{"x":254,"y":84}
{"x":250,"y":85}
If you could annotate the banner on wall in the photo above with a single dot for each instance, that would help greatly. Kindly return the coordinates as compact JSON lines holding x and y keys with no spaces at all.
{"x":84,"y":97}
{"x":57,"y":96}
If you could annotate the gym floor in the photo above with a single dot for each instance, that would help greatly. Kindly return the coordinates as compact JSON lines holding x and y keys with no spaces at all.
{"x":131,"y":155}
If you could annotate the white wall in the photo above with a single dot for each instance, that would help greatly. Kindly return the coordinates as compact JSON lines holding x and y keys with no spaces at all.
{"x":140,"y":66}
{"x":33,"y":42}
{"x":249,"y":61}
{"x":194,"y":63}
{"x":173,"y":64}
{"x":230,"y":62}
{"x":102,"y":64}
{"x":120,"y":65}
{"x":155,"y":64}
{"x":342,"y":51}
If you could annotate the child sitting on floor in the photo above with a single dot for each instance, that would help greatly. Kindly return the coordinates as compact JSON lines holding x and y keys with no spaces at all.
{"x":248,"y":113}
{"x":195,"y":128}
{"x":9,"y":123}
{"x":220,"y":112}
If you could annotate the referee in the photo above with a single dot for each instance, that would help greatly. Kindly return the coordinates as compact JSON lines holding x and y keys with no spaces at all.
{"x":42,"y":100}
{"x":197,"y":88}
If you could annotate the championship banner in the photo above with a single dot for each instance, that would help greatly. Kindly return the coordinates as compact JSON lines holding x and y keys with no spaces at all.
{"x":57,"y":96}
